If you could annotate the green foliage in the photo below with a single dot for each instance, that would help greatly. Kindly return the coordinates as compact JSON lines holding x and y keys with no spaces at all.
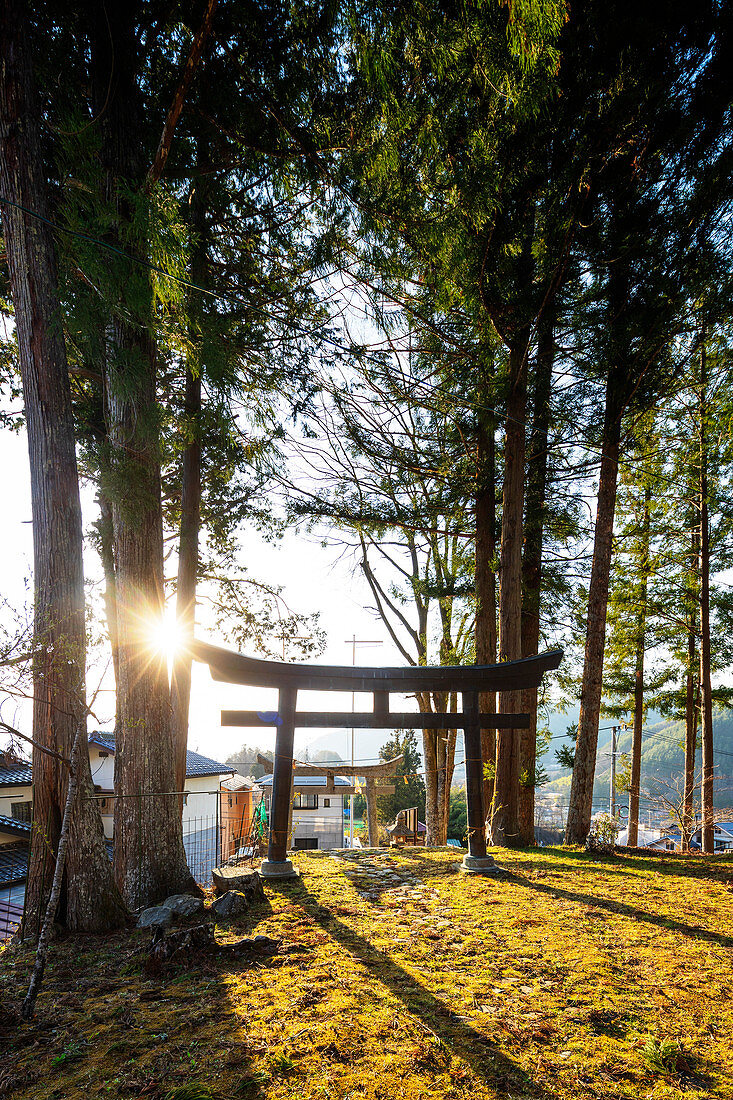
{"x":623,"y":773}
{"x":537,"y":778}
{"x":408,"y":780}
{"x":458,"y":816}
{"x":665,"y":1057}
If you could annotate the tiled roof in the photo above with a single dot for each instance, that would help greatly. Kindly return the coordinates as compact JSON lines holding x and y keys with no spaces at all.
{"x":308,"y":781}
{"x":196,"y":765}
{"x":14,"y":775}
{"x":12,"y":825}
{"x":13,"y":863}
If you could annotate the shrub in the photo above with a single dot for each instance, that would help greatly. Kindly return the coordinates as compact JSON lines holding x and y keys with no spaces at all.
{"x":603,"y":832}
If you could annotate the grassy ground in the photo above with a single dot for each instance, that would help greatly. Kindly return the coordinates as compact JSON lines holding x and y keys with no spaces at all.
{"x":572,"y":976}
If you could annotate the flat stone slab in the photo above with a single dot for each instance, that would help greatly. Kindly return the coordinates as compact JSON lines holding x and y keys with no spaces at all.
{"x":234,"y":878}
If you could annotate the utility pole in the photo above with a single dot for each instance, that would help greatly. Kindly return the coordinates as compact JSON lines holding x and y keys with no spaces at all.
{"x":613,"y":770}
{"x":354,"y":642}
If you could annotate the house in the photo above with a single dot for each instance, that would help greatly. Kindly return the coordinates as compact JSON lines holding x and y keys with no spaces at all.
{"x":16,"y":792}
{"x":318,"y":813}
{"x":16,"y":809}
{"x":201,"y":788}
{"x":201,"y":822}
{"x":722,"y":837}
{"x":201,"y":792}
{"x":645,"y":838}
{"x":240,"y":796}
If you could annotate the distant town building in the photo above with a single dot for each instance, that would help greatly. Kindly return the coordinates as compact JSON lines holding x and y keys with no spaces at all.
{"x":240,"y":796}
{"x":318,"y":813}
{"x":202,"y":823}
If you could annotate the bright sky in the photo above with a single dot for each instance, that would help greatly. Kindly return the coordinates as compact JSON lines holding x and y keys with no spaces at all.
{"x":311,"y":580}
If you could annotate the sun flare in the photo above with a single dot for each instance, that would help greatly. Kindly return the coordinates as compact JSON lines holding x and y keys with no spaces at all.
{"x":166,"y":635}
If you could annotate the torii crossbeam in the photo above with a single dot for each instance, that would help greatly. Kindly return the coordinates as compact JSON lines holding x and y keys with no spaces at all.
{"x":470,"y":680}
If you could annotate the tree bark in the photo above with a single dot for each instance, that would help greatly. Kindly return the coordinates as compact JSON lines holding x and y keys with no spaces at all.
{"x":534,"y":524}
{"x":692,"y":691}
{"x":190,"y":523}
{"x":150,"y":860}
{"x":633,"y":830}
{"x":505,"y":808}
{"x":438,"y":754}
{"x":708,"y":828}
{"x":581,"y":790}
{"x":188,"y":559}
{"x":485,"y":576}
{"x":107,"y":555}
{"x":88,"y":899}
{"x":432,"y":804}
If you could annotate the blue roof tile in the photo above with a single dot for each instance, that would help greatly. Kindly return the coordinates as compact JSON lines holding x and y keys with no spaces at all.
{"x":196,"y":764}
{"x":13,"y":863}
{"x":12,"y":825}
{"x":16,"y":774}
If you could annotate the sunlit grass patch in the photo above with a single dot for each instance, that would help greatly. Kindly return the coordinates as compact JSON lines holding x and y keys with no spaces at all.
{"x":572,"y":976}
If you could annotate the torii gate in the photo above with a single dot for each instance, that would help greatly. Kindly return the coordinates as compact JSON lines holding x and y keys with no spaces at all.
{"x":372,"y":774}
{"x":470,"y":680}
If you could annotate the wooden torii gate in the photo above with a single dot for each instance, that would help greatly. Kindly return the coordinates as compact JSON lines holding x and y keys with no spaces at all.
{"x":470,"y":680}
{"x":372,"y":774}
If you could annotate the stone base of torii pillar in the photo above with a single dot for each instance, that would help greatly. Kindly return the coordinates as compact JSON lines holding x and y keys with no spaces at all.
{"x":478,"y":865}
{"x":271,"y":868}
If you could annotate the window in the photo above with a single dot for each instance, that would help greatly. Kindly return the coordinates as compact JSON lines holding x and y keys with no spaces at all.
{"x":305,"y":802}
{"x":21,"y":811}
{"x":305,"y":843}
{"x":327,"y":802}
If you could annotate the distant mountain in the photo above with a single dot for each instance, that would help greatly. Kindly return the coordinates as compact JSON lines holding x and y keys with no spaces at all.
{"x":662,"y":755}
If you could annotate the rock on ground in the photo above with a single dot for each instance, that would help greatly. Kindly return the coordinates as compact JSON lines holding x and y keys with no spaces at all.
{"x":184,"y":906}
{"x":157,"y":916}
{"x":231,"y":904}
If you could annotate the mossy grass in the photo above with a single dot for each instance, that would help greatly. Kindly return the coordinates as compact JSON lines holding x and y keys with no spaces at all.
{"x":572,"y":976}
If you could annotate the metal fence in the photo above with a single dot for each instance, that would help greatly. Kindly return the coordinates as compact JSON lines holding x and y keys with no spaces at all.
{"x":11,"y":915}
{"x":207,"y":839}
{"x":203,"y":841}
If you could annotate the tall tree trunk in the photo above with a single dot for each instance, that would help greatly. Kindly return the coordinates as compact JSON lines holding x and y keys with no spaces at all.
{"x":188,"y":546}
{"x":581,"y":791}
{"x":708,"y":829}
{"x":188,"y":558}
{"x":633,"y":832}
{"x":89,"y":900}
{"x":150,"y":860}
{"x":485,"y":629}
{"x":432,"y":800}
{"x":439,"y":753}
{"x":505,"y":809}
{"x":534,"y":523}
{"x":692,"y":690}
{"x":107,"y":555}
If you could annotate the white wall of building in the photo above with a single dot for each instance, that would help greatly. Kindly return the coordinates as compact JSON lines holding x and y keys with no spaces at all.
{"x":11,"y":795}
{"x":325,"y":822}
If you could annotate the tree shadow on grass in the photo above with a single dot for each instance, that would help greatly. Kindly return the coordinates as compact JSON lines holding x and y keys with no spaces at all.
{"x":480,"y":1053}
{"x":619,"y":863}
{"x":675,"y":864}
{"x":620,"y":908}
